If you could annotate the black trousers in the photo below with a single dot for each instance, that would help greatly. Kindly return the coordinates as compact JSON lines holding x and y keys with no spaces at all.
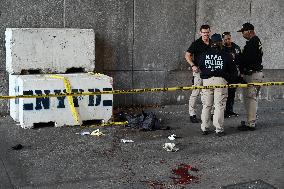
{"x":230,"y":100}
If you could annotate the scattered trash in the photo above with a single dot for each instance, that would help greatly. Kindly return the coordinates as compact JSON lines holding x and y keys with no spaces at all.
{"x":97,"y":133}
{"x":84,"y":133}
{"x":170,"y":147}
{"x":126,"y":141}
{"x":172,"y":137}
{"x":17,"y":147}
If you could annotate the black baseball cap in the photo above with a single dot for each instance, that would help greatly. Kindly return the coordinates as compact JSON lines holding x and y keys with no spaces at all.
{"x":216,"y":38}
{"x":246,"y":26}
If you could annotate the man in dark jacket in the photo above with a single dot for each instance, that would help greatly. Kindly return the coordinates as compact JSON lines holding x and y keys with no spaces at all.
{"x":251,"y":70}
{"x":216,"y":68}
{"x":233,"y":49}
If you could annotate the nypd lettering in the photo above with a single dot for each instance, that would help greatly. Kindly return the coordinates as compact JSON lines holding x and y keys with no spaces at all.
{"x":44,"y":103}
{"x":214,"y":62}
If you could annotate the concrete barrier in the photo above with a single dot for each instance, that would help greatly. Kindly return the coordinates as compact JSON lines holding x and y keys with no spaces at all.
{"x":13,"y":91}
{"x":29,"y":111}
{"x":49,"y":50}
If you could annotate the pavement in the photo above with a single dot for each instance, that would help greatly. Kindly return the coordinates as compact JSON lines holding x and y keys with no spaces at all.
{"x":59,"y":158}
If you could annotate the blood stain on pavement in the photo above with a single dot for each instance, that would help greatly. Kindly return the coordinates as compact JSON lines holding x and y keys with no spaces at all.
{"x":183,"y":176}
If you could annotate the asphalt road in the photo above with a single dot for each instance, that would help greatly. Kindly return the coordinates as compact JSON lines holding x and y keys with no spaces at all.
{"x":59,"y":158}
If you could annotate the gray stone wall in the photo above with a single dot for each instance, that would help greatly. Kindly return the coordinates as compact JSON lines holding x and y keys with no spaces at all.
{"x":141,"y":43}
{"x":266,"y":15}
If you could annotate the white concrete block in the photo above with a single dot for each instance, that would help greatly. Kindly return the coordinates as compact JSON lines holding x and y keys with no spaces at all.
{"x":50,"y":50}
{"x":13,"y":91}
{"x":57,"y":109}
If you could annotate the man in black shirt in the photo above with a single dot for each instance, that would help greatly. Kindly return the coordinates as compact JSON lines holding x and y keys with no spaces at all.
{"x":251,"y":69}
{"x":233,"y":49}
{"x":216,"y":68}
{"x":192,"y":57}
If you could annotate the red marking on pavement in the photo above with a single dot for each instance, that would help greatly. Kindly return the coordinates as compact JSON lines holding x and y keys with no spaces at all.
{"x":155,"y":184}
{"x":183,"y":176}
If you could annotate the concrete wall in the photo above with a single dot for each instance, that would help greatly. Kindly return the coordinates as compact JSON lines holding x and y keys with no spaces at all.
{"x":141,"y":43}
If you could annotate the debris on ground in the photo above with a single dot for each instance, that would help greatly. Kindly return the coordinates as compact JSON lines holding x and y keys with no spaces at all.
{"x":126,"y":141}
{"x":17,"y":147}
{"x":172,"y":137}
{"x":170,"y":147}
{"x":84,"y":133}
{"x":97,"y":132}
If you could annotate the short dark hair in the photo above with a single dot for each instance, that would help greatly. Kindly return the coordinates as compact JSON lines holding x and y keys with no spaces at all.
{"x":206,"y":26}
{"x":226,"y":33}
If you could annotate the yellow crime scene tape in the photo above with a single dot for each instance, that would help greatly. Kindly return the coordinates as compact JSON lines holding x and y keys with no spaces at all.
{"x":67,"y":85}
{"x":107,"y":124}
{"x":132,"y":91}
{"x":75,"y":114}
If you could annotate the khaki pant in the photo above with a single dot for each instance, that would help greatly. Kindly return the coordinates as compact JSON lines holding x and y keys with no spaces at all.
{"x":251,"y":97}
{"x":216,"y":97}
{"x":197,"y":81}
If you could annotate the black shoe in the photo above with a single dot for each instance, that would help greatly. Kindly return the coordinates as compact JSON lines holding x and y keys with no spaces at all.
{"x":194,"y":119}
{"x":204,"y":132}
{"x":251,"y":128}
{"x":233,"y":114}
{"x":244,"y":127}
{"x":212,"y":117}
{"x":220,"y":134}
{"x":230,"y":114}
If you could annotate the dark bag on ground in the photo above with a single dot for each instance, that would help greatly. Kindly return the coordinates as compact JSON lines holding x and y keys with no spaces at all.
{"x":150,"y":122}
{"x":144,"y":121}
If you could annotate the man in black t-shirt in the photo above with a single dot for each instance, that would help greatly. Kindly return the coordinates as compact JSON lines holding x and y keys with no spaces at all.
{"x":192,"y":57}
{"x":233,"y":49}
{"x":250,"y":64}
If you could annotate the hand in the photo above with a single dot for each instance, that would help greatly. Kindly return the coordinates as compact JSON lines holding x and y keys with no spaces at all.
{"x":194,"y":69}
